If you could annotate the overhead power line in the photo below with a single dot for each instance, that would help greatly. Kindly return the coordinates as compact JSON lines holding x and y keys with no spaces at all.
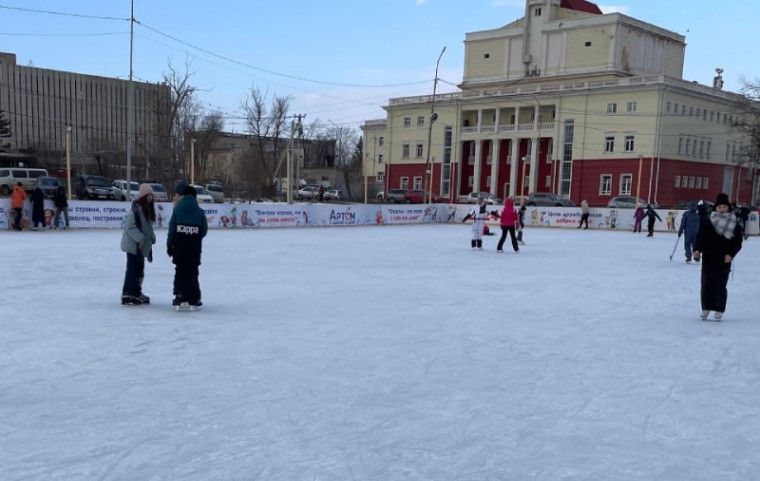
{"x":50,"y":12}
{"x":94,"y":34}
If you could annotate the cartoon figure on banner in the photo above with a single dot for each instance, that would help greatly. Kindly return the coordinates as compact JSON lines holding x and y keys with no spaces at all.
{"x":452,"y":214}
{"x":246,"y":221}
{"x":49,"y":213}
{"x":428,"y":215}
{"x":234,"y":217}
{"x":379,"y":217}
{"x":224,"y":221}
{"x":534,"y":217}
{"x":611,"y":219}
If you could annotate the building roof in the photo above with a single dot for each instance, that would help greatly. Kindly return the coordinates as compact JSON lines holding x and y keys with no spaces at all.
{"x":581,"y":6}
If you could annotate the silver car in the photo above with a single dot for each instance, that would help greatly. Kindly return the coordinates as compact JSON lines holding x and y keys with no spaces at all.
{"x":545,"y":199}
{"x":488,"y":198}
{"x":628,"y":202}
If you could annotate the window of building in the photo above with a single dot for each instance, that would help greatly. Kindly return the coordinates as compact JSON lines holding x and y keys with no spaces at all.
{"x":688,"y":146}
{"x":471,"y":160}
{"x":701,"y":149}
{"x":418,"y":151}
{"x":683,"y":110}
{"x":404,"y":183}
{"x":704,"y":115}
{"x":684,"y":181}
{"x":605,"y":184}
{"x":699,"y":183}
{"x":699,"y":111}
{"x":420,"y":120}
{"x":629,"y":143}
{"x":380,"y":158}
{"x":548,"y":182}
{"x":488,"y":180}
{"x":694,"y":148}
{"x":691,"y":111}
{"x":678,"y":181}
{"x":417,"y":183}
{"x":692,"y":180}
{"x":380,"y":141}
{"x":588,"y":44}
{"x":486,"y":55}
{"x":407,"y":121}
{"x":626,"y":180}
{"x":380,"y":176}
{"x":709,"y":146}
{"x":611,"y":108}
{"x":712,"y":116}
{"x":470,"y":181}
{"x":704,"y":183}
{"x":609,"y":144}
{"x":537,"y":12}
{"x":632,"y":106}
{"x":680,"y":145}
{"x":728,"y":152}
{"x":676,"y":108}
{"x":405,"y":151}
{"x":667,"y":107}
{"x":717,"y":117}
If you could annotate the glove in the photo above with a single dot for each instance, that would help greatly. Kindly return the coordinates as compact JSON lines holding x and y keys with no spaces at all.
{"x":170,"y":251}
{"x":150,"y":256}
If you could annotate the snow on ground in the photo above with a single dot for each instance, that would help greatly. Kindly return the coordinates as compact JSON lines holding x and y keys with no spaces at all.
{"x":377,"y":353}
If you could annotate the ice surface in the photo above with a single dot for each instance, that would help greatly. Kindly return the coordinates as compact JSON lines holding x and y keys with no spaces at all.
{"x":377,"y":353}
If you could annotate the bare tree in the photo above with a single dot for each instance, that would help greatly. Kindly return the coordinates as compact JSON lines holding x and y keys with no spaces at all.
{"x":211,"y":127}
{"x":267,"y":124}
{"x":748,"y":123}
{"x":346,"y":139}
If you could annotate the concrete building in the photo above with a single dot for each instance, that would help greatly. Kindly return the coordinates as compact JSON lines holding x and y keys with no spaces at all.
{"x":41,"y":104}
{"x":570,"y":101}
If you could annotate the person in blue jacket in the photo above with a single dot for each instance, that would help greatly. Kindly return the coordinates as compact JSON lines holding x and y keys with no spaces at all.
{"x":689,"y":228}
{"x":187,"y":228}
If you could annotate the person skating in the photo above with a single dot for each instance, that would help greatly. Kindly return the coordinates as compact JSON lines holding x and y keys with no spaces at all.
{"x":137,"y":241}
{"x":184,"y":242}
{"x":651,"y":215}
{"x":689,"y":227}
{"x":718,"y":241}
{"x":17,"y":199}
{"x":38,"y":208}
{"x":478,"y":213}
{"x":508,"y":220}
{"x":585,"y":213}
{"x":520,"y":218}
{"x":638,"y":217}
{"x":61,"y":206}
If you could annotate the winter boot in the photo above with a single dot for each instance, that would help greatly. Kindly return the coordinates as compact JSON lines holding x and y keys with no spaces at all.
{"x":480,"y":245}
{"x":474,"y":244}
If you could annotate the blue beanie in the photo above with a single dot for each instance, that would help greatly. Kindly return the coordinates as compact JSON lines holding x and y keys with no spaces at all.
{"x":179,"y":189}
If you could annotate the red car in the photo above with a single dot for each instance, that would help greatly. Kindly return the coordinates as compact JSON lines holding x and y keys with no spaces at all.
{"x":417,"y":197}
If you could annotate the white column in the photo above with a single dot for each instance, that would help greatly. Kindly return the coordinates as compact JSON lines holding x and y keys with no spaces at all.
{"x":494,"y":187}
{"x":476,"y":171}
{"x":480,"y":120}
{"x":513,"y":167}
{"x":533,"y":164}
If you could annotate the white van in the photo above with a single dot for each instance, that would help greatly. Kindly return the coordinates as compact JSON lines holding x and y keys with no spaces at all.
{"x":10,"y":176}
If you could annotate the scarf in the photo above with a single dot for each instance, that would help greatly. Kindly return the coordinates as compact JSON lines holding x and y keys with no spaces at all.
{"x":724,"y":224}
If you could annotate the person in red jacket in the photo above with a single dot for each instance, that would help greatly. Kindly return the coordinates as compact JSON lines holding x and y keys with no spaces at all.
{"x":509,"y":221}
{"x":18,"y":197}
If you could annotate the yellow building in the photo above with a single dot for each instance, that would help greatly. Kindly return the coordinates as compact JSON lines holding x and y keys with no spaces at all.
{"x":570,"y":101}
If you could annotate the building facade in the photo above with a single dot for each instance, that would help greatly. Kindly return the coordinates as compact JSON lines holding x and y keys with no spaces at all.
{"x":41,"y":104}
{"x":570,"y":101}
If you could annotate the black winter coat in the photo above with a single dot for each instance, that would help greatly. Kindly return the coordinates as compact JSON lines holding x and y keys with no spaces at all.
{"x":713,"y":246}
{"x":59,"y":198}
{"x":38,"y":203}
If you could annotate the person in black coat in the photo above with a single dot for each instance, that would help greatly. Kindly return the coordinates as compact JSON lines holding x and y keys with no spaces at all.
{"x":651,"y":215}
{"x":61,"y":206}
{"x":38,"y":208}
{"x":718,"y":241}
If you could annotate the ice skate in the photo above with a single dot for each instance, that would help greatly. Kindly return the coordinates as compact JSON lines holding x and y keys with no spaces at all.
{"x":704,"y":315}
{"x":718,"y":316}
{"x":132,"y":301}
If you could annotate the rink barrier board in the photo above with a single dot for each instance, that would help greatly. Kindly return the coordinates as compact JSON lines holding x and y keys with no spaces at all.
{"x":111,"y":214}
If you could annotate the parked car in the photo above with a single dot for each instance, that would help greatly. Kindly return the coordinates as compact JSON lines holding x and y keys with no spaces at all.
{"x":308,"y":192}
{"x":417,"y":196}
{"x":48,"y":185}
{"x":394,"y":196}
{"x":545,"y":199}
{"x":93,"y":187}
{"x":334,"y":194}
{"x":216,"y":191}
{"x":159,"y":193}
{"x":686,"y":204}
{"x":203,"y":196}
{"x":10,"y":176}
{"x":120,"y":191}
{"x":488,"y":198}
{"x":628,"y":202}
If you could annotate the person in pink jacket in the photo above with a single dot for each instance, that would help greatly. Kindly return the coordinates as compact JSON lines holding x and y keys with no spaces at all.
{"x":509,"y":222}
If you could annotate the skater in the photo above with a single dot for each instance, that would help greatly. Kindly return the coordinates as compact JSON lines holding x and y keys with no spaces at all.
{"x":520,"y":217}
{"x":187,"y":228}
{"x":137,"y":241}
{"x":18,"y":197}
{"x":584,"y":211}
{"x":509,"y":220}
{"x":638,"y":216}
{"x":718,"y":241}
{"x":38,"y":208}
{"x":179,"y":191}
{"x":689,"y":228}
{"x":651,"y":215}
{"x":61,"y":206}
{"x":478,"y":213}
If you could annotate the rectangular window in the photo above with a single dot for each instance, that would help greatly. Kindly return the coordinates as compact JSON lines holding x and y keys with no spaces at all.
{"x":420,"y":120}
{"x":712,"y":116}
{"x":704,"y":183}
{"x":699,"y":111}
{"x":489,"y":160}
{"x":405,"y":151}
{"x":537,"y":12}
{"x":678,"y":181}
{"x":691,"y":111}
{"x":380,"y":141}
{"x":611,"y":108}
{"x":380,"y":158}
{"x":680,"y":145}
{"x":704,"y":114}
{"x":676,"y":108}
{"x":407,"y":121}
{"x":566,"y":170}
{"x":692,"y":180}
{"x":548,"y":182}
{"x":626,"y":180}
{"x":694,"y":148}
{"x":417,"y":183}
{"x":609,"y":144}
{"x":667,"y":107}
{"x":709,"y":146}
{"x":404,"y":183}
{"x":488,"y":181}
{"x":701,"y":149}
{"x":684,"y":181}
{"x":683,"y":110}
{"x":470,"y":181}
{"x":418,"y":151}
{"x":381,"y":176}
{"x":629,"y":143}
{"x":699,"y":183}
{"x":688,"y":146}
{"x":632,"y":106}
{"x":605,"y":184}
{"x":717,"y":117}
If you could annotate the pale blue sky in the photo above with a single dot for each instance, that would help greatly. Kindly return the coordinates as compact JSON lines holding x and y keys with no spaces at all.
{"x":331,"y":49}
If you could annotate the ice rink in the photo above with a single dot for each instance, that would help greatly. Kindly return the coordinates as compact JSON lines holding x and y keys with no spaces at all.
{"x":377,"y":353}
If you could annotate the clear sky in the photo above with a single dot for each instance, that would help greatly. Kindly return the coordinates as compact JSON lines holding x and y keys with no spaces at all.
{"x":339,"y":60}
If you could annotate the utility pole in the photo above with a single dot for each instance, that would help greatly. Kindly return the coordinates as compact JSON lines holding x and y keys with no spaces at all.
{"x":299,"y":127}
{"x":433,"y":117}
{"x":130,"y":103}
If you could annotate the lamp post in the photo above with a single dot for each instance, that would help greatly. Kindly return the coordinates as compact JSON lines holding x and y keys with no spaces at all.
{"x":192,"y":161}
{"x":433,"y":117}
{"x":638,"y":181}
{"x":68,"y":162}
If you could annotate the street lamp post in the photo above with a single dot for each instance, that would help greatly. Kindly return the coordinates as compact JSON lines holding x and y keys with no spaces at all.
{"x":192,"y":161}
{"x":433,"y":117}
{"x":638,"y":182}
{"x":68,"y":162}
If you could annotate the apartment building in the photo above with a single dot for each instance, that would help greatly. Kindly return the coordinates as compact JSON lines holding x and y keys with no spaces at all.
{"x":572,"y":101}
